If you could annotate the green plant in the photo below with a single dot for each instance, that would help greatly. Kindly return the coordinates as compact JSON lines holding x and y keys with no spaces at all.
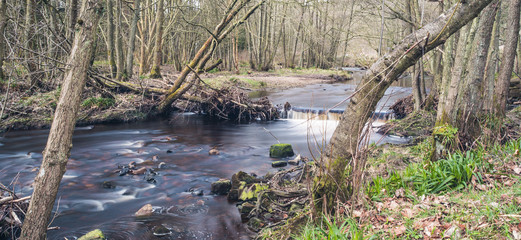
{"x":102,"y":103}
{"x":331,"y":230}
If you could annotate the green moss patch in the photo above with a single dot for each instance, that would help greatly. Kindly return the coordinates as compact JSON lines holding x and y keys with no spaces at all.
{"x":281,"y":150}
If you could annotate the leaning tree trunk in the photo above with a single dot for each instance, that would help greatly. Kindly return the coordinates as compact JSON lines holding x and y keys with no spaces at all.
{"x":3,"y":23}
{"x":155,"y":72}
{"x":507,"y":61}
{"x":344,"y":160}
{"x":132,"y":40}
{"x":59,"y":143}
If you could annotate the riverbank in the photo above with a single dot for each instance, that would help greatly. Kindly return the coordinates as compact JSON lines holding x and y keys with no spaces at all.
{"x":28,"y":109}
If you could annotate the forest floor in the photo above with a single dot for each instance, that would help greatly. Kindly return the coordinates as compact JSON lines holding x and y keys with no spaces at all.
{"x":26,"y":108}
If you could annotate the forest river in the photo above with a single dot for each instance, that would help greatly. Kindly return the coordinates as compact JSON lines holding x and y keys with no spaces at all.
{"x":182,"y":142}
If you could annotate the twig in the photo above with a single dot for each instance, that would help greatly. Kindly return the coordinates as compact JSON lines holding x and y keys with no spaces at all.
{"x":271,"y":134}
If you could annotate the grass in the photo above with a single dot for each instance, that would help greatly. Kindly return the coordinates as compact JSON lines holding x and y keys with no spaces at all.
{"x":473,"y":195}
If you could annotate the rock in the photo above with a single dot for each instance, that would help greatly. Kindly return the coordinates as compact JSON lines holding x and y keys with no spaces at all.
{"x":161,"y":231}
{"x":278,"y":164}
{"x":132,"y":165}
{"x":150,"y":176}
{"x":124,"y":170}
{"x":245,"y":210}
{"x":296,"y":160}
{"x":146,"y":210}
{"x":221,"y":187}
{"x":139,"y":171}
{"x":161,"y":165}
{"x":93,"y":235}
{"x":169,"y":151}
{"x":239,"y":180}
{"x":108,"y":185}
{"x":214,"y":151}
{"x":250,"y":193}
{"x":281,"y":150}
{"x":255,"y":224}
{"x":197,"y":192}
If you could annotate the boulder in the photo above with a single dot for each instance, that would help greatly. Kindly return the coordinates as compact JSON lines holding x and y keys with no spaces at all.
{"x":161,"y":231}
{"x":239,"y":180}
{"x":278,"y":164}
{"x":221,"y":187}
{"x":281,"y":150}
{"x":93,"y":235}
{"x":146,"y":210}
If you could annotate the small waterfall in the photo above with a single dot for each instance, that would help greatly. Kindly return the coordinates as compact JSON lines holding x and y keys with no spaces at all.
{"x":333,"y":114}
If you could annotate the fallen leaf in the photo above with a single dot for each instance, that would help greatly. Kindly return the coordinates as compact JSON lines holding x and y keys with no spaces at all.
{"x":516,"y":235}
{"x":393,"y":205}
{"x":482,"y":187}
{"x":408,"y":213}
{"x":517,"y":170}
{"x":400,"y":193}
{"x":379,"y":206}
{"x":357,"y":213}
{"x":397,"y":231}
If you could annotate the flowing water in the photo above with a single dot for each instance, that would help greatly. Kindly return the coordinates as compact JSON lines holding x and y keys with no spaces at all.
{"x":182,"y":142}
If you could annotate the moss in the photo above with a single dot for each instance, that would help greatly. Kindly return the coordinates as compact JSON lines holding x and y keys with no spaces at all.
{"x":251,"y":192}
{"x":102,"y":103}
{"x":281,"y":150}
{"x":331,"y":186}
{"x":93,"y":235}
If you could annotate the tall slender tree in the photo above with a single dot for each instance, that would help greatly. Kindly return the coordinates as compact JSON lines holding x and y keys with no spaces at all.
{"x":110,"y":39}
{"x":155,"y":72}
{"x":507,"y":61}
{"x":59,"y":143}
{"x":3,"y":23}
{"x":132,"y":39}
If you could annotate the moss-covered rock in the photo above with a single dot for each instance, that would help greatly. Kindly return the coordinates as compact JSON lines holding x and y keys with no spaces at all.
{"x":278,"y":164}
{"x":281,"y":150}
{"x":250,"y":193}
{"x":239,"y":180}
{"x":93,"y":235}
{"x":221,"y":187}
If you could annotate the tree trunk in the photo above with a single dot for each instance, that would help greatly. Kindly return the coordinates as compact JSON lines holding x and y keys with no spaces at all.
{"x":472,"y":105}
{"x":120,"y":62}
{"x":132,"y":40}
{"x":156,"y":70}
{"x":72,"y":16}
{"x":345,"y":160}
{"x":490,"y":72}
{"x":59,"y":143}
{"x":3,"y":23}
{"x":30,"y":45}
{"x":507,"y":61}
{"x":110,"y":39}
{"x":416,"y":86}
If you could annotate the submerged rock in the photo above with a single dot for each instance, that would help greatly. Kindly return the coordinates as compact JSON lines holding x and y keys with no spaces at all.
{"x":214,"y":151}
{"x":221,"y":187}
{"x":108,"y":184}
{"x":93,"y":235}
{"x":278,"y":164}
{"x":161,"y":231}
{"x":146,"y":210}
{"x":281,"y":150}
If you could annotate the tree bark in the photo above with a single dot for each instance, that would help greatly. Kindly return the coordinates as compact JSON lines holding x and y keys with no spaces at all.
{"x":3,"y":23}
{"x":29,"y":44}
{"x":155,"y":72}
{"x":492,"y":64}
{"x":72,"y":17}
{"x":507,"y":61}
{"x":132,"y":40}
{"x":344,"y":160}
{"x":120,"y":62}
{"x":59,"y":143}
{"x":110,"y":39}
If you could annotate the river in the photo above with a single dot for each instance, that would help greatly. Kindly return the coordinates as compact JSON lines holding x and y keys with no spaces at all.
{"x":182,"y":142}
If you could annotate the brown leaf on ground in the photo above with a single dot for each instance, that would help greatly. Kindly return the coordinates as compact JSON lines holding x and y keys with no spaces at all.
{"x":393,"y":205}
{"x":397,"y":231}
{"x":357,"y":213}
{"x":408,"y":213}
{"x":400,"y":193}
{"x":482,"y":187}
{"x":379,"y":206}
{"x":510,"y":182}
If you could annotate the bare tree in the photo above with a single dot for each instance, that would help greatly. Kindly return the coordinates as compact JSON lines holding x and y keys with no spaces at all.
{"x":59,"y":143}
{"x":507,"y":61}
{"x":132,"y":39}
{"x":156,"y":70}
{"x":3,"y":23}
